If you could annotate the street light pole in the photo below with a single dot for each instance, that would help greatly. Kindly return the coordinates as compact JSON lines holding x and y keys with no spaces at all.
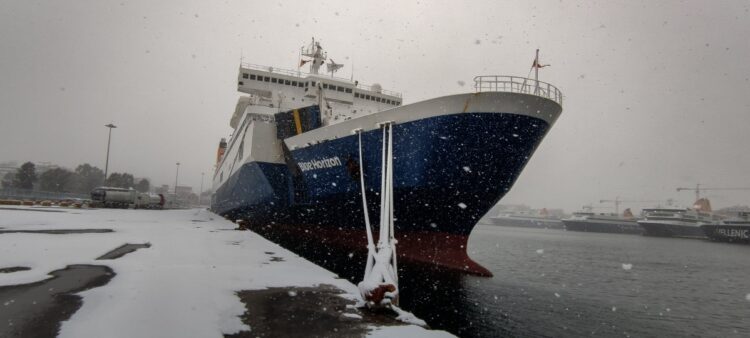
{"x":175,"y":179}
{"x":109,"y":139}
{"x":200,"y":197}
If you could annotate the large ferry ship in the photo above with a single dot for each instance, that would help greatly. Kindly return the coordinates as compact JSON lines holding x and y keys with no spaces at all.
{"x":526,"y":218}
{"x":588,"y":221}
{"x":291,"y":168}
{"x":679,"y":222}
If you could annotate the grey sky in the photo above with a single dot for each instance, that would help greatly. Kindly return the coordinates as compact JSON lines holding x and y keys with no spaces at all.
{"x":656,"y":93}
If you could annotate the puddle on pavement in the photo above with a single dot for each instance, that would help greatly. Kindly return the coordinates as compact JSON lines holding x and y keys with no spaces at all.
{"x":14,"y":269}
{"x":37,"y":309}
{"x":57,"y":231}
{"x":123,"y":250}
{"x":305,"y":312}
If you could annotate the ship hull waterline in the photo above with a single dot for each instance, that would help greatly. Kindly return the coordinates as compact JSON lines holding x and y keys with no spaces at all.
{"x":666,"y":229}
{"x":449,"y":170}
{"x":630,"y":228}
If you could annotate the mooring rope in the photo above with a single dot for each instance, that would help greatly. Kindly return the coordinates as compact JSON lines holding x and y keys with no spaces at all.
{"x":370,"y":242}
{"x":380,"y":284}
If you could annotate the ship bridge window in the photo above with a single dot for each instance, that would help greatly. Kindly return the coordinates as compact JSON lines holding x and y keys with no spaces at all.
{"x":245,"y":76}
{"x":273,"y":80}
{"x":349,"y":90}
{"x":301,"y":84}
{"x":341,"y":89}
{"x":312,"y":83}
{"x":367,"y":97}
{"x":294,"y":83}
{"x":266,"y":79}
{"x":356,"y":95}
{"x":252,"y":76}
{"x":241,"y":83}
{"x":287,"y":82}
{"x":325,"y":86}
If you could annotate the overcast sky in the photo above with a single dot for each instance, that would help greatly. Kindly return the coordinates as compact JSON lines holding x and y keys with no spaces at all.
{"x":657,"y":93}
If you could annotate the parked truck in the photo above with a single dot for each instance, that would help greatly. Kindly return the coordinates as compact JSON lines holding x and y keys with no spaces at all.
{"x":110,"y":197}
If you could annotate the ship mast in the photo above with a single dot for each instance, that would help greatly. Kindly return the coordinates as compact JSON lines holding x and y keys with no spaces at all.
{"x":316,"y":53}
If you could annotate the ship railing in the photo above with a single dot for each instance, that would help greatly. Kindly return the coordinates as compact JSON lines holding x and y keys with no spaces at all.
{"x":301,"y":74}
{"x":516,"y":84}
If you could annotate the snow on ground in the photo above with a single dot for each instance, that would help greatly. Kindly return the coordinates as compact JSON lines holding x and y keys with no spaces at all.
{"x":182,"y":286}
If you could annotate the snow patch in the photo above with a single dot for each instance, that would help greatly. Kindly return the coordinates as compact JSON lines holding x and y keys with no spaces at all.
{"x":172,"y":282}
{"x":405,"y":331}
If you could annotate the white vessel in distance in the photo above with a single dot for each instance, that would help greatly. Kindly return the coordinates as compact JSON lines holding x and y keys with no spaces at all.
{"x":679,"y":222}
{"x":525,"y":217}
{"x":587,"y":220}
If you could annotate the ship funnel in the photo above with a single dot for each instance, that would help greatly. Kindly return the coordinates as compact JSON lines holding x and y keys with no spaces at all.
{"x":544,"y":213}
{"x":221,"y":150}
{"x":702,"y":204}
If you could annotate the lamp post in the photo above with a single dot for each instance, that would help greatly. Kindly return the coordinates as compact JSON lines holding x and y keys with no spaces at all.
{"x":175,"y":179}
{"x":200,"y":197}
{"x":109,"y":139}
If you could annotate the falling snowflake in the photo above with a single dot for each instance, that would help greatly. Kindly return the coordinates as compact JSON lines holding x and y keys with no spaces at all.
{"x":627,"y":266}
{"x":462,"y":205}
{"x":292,"y":293}
{"x":467,"y":169}
{"x":614,"y":309}
{"x":540,"y":251}
{"x":747,"y":296}
{"x":557,"y":295}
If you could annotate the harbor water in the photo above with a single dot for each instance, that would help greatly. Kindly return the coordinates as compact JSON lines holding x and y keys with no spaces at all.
{"x":555,"y":283}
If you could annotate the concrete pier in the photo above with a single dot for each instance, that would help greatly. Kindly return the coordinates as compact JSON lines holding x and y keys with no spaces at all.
{"x":170,"y":273}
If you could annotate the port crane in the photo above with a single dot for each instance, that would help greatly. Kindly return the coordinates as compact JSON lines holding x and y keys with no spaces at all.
{"x":698,"y":189}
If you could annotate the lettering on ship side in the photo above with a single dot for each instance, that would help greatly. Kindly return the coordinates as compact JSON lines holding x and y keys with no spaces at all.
{"x":320,"y":164}
{"x":736,"y":233}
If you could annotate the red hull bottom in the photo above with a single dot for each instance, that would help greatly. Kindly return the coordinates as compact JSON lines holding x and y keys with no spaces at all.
{"x":439,"y":251}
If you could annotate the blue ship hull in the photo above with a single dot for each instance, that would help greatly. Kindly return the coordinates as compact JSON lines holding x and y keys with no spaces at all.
{"x":449,"y":170}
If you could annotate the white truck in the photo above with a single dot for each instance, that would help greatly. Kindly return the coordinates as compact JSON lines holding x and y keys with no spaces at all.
{"x":110,"y":197}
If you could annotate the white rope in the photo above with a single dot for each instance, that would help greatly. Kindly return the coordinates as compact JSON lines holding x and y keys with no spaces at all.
{"x":381,"y":270}
{"x":370,"y":243}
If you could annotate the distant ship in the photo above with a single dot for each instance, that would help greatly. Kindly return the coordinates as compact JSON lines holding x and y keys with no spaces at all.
{"x":676,"y":222}
{"x":589,"y":221}
{"x":291,"y":169}
{"x":527,"y":219}
{"x":733,"y":230}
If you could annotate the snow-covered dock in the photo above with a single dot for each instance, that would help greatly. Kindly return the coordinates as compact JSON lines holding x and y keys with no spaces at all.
{"x":171,"y":273}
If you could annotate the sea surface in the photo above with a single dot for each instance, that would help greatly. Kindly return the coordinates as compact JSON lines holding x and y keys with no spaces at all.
{"x":556,"y":283}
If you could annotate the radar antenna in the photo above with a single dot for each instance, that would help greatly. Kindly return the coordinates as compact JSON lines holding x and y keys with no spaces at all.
{"x":333,"y":67}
